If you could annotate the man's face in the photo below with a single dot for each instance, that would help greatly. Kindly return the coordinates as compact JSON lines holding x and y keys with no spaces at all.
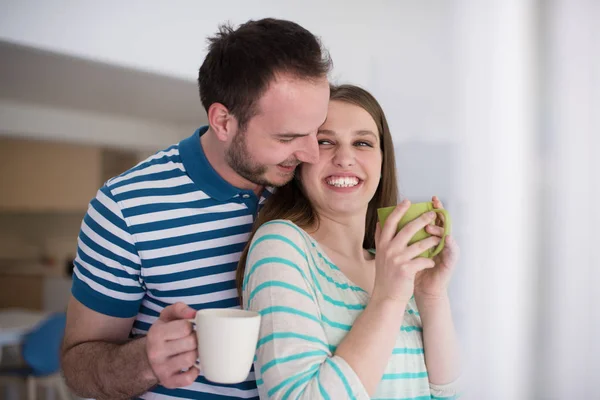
{"x":283,"y":133}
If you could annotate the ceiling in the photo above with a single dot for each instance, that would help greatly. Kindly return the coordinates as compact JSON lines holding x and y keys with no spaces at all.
{"x":51,"y":79}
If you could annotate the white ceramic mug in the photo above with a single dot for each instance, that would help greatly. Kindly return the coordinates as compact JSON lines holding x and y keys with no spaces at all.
{"x":227,"y":340}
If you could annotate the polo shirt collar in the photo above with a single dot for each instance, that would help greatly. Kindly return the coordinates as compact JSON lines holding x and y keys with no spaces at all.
{"x":201,"y":172}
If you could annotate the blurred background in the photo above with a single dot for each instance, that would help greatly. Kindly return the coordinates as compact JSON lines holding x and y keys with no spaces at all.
{"x":494,"y":106}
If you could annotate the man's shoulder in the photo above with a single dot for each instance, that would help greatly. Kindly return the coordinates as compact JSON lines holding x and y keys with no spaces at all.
{"x":164,"y":164}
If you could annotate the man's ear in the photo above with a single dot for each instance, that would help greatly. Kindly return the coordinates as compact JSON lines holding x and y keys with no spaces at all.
{"x":221,"y":121}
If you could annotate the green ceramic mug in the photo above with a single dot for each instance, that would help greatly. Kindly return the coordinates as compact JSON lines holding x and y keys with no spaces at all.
{"x":415,"y":211}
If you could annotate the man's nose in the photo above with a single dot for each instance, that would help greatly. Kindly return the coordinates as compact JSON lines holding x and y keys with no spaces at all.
{"x":309,"y":150}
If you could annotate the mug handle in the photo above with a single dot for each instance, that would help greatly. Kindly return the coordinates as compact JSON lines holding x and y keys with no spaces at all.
{"x":197,"y":362}
{"x":447,"y":225}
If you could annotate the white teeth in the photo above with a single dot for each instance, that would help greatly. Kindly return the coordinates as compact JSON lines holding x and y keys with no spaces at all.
{"x":346,"y":181}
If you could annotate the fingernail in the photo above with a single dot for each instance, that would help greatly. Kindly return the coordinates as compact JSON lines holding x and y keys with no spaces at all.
{"x":431,"y":214}
{"x":404,"y":202}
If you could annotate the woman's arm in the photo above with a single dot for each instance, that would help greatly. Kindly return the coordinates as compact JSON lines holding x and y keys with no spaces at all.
{"x":442,"y":355}
{"x":440,"y":342}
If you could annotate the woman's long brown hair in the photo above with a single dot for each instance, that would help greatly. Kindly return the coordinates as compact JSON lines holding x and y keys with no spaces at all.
{"x":290,"y":203}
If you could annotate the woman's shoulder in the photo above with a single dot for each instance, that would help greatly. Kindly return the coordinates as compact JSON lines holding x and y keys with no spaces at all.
{"x":279,"y":241}
{"x":283,"y":228}
{"x":277,"y":237}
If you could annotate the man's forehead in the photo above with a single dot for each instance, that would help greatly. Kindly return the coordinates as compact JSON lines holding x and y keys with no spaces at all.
{"x":292,"y":106}
{"x":285,"y":93}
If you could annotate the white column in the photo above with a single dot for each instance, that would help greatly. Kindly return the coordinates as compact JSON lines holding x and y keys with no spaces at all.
{"x":569,"y":334}
{"x":495,"y":94}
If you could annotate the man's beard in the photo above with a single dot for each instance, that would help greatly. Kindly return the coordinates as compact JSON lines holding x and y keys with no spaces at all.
{"x":239,"y":159}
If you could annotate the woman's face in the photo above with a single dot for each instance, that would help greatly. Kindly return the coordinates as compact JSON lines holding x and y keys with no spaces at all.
{"x":347,"y":174}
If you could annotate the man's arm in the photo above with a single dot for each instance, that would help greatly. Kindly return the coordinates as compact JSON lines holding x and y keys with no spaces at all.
{"x":100,"y":361}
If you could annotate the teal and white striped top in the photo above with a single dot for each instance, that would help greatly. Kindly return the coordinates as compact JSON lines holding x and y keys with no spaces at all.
{"x":308,"y":306}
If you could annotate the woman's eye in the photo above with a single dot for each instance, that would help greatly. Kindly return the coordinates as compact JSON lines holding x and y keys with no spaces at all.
{"x":363,"y":144}
{"x":324,"y":142}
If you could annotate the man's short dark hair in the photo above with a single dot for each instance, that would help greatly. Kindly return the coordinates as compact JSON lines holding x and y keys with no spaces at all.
{"x":241,"y":63}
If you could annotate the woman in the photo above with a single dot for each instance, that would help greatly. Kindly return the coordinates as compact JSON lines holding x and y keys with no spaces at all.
{"x":338,"y":319}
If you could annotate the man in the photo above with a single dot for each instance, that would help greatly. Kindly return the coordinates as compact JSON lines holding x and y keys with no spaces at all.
{"x":163,"y":239}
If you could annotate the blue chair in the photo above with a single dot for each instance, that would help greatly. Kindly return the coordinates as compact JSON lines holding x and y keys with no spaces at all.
{"x":40,"y":351}
{"x":41,"y":346}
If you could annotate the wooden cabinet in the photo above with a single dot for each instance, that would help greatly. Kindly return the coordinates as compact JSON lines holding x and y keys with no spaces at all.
{"x":48,"y":176}
{"x":21,"y":291}
{"x":35,"y":288}
{"x":52,"y":176}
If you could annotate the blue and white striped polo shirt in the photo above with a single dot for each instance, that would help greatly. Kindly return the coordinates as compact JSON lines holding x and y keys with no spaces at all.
{"x":170,"y":229}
